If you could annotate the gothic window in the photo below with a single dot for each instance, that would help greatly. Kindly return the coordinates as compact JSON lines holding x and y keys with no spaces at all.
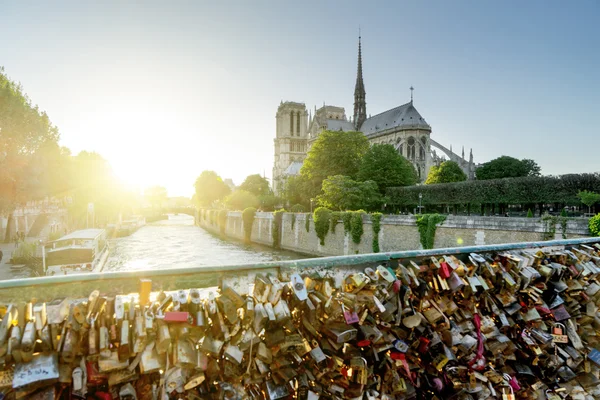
{"x":401,"y":149}
{"x":298,"y":124}
{"x":292,"y":123}
{"x":422,"y":148}
{"x":411,"y":148}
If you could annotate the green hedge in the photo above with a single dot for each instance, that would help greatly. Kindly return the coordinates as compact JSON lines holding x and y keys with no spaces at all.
{"x":594,"y":225}
{"x":322,"y":216}
{"x":275,"y":232}
{"x":526,"y":190}
{"x":248,"y":219}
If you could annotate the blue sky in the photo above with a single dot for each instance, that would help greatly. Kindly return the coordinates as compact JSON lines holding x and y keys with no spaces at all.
{"x":165,"y":90}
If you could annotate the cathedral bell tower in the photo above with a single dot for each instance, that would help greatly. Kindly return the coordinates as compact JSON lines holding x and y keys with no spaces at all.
{"x":360,"y":105}
{"x":290,"y":140}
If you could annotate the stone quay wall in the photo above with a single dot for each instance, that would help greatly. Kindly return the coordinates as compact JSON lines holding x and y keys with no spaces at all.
{"x":398,"y":232}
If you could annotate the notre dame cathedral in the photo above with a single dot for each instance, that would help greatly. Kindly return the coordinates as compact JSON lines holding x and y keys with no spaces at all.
{"x":402,"y":126}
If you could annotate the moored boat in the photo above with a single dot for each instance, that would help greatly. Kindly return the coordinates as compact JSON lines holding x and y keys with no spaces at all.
{"x":78,"y":252}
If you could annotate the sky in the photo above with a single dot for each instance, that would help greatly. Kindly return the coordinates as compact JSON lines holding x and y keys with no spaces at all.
{"x":164,"y":90}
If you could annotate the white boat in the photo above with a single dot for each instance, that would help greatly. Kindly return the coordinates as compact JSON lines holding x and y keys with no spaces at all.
{"x":78,"y":252}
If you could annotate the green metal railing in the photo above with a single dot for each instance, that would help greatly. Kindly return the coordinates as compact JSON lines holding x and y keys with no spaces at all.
{"x":238,"y":276}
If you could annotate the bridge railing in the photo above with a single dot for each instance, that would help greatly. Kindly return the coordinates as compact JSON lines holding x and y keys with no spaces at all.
{"x":237,"y":276}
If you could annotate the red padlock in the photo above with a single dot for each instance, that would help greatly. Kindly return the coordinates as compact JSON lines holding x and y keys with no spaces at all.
{"x":177,"y":316}
{"x":444,"y":270}
{"x":423,"y":345}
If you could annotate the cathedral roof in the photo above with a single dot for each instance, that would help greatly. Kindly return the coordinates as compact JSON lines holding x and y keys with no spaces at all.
{"x":339,"y":125}
{"x":405,"y":116}
{"x":293,"y":168}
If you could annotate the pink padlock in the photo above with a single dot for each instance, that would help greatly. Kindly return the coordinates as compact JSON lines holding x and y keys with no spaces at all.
{"x":397,"y":285}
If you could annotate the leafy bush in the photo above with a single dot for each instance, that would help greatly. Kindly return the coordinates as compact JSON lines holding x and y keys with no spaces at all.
{"x":356,"y":225}
{"x":297,"y":208}
{"x":275,"y":232}
{"x":427,"y":225}
{"x":376,"y":225}
{"x":322,"y":218}
{"x":248,"y":220}
{"x":529,"y":213}
{"x":594,"y":225}
{"x":347,"y":220}
{"x":222,"y":220}
{"x":335,"y":217}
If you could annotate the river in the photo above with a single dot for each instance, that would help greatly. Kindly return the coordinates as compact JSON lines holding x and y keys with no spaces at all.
{"x":178,"y":243}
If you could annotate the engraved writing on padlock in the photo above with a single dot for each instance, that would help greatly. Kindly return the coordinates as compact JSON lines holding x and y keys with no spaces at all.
{"x":558,"y":335}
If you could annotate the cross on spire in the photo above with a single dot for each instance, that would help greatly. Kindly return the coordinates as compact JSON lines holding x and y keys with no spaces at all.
{"x":411,"y":93}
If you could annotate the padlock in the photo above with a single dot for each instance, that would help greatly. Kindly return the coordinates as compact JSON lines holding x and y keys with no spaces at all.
{"x":508,"y":394}
{"x":124,"y":344}
{"x":340,"y":333}
{"x":163,"y":340}
{"x":92,"y":338}
{"x":558,"y":335}
{"x":185,"y":354}
{"x":298,"y":286}
{"x":360,"y":371}
{"x":350,"y":316}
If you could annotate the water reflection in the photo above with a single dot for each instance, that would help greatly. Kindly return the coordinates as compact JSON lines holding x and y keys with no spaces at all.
{"x":177,"y":243}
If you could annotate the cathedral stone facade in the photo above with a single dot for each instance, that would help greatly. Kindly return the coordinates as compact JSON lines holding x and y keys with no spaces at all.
{"x":402,"y":126}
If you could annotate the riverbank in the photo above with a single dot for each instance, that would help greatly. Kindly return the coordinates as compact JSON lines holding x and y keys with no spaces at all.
{"x":397,"y":232}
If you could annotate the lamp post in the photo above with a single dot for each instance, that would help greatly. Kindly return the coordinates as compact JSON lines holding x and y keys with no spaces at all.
{"x":311,"y":205}
{"x":420,"y":199}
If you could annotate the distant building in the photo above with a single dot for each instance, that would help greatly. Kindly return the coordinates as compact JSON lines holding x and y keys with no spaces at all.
{"x":229,"y":183}
{"x":402,"y":126}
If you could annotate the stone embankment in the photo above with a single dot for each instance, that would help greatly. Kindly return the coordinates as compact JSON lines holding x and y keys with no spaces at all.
{"x":398,"y":232}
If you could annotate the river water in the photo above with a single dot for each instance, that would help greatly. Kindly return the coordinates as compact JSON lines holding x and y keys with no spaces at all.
{"x":178,"y":243}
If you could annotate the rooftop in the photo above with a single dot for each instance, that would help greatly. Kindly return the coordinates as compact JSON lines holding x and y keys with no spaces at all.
{"x":84,"y":234}
{"x":405,"y":116}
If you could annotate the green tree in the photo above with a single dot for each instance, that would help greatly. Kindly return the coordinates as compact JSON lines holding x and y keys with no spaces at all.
{"x":446,"y":172}
{"x":210,"y":188}
{"x":588,"y":198}
{"x":24,"y":132}
{"x":333,"y":153}
{"x":507,"y":167}
{"x":383,"y":165}
{"x":343,"y":193}
{"x":256,"y":184}
{"x":156,"y":196}
{"x":269,"y":202}
{"x":295,"y":191}
{"x":241,"y":199}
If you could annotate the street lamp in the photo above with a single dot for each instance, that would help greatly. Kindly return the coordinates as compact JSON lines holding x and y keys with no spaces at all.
{"x":420,"y":199}
{"x":311,"y":205}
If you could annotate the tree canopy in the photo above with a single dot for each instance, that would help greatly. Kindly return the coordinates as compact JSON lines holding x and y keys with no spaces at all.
{"x":333,"y":153}
{"x":343,"y":193}
{"x":383,"y":165}
{"x":28,"y":144}
{"x":507,"y":167}
{"x":256,"y":184}
{"x":588,"y":198}
{"x":210,"y":188}
{"x":156,"y":195}
{"x":241,"y":199}
{"x":294,"y":190}
{"x":446,"y":172}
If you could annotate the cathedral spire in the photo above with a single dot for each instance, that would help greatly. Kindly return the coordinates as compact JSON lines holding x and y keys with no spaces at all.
{"x":360,"y":105}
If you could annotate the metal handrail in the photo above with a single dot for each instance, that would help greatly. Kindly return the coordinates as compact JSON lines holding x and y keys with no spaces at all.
{"x":205,"y":276}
